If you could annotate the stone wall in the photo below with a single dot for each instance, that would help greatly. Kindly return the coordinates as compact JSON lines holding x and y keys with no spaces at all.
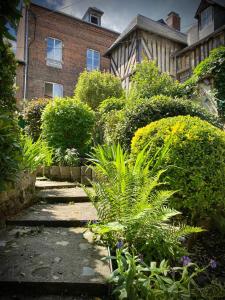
{"x":18,"y":196}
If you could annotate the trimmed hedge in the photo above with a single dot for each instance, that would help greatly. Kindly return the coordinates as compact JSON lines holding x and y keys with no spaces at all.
{"x":197,"y":163}
{"x":32,"y":117}
{"x":94,"y":87}
{"x":68,"y":123}
{"x":158,"y":107}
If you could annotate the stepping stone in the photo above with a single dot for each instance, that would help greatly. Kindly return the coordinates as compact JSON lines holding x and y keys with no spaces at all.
{"x":63,"y":195}
{"x":55,"y":215}
{"x":49,"y":184}
{"x":46,"y":261}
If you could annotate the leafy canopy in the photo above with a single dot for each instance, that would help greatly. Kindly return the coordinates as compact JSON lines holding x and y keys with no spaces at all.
{"x":94,"y":87}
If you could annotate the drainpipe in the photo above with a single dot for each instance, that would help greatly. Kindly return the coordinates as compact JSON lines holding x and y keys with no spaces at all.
{"x":26,"y":55}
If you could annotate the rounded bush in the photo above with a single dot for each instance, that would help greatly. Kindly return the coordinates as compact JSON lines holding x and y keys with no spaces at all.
{"x":195,"y":162}
{"x":110,"y":104}
{"x":32,"y":116}
{"x":68,"y":123}
{"x":155,"y":108}
{"x":94,"y":87}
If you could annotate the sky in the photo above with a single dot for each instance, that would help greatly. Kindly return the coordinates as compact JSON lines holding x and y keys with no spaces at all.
{"x":118,"y":13}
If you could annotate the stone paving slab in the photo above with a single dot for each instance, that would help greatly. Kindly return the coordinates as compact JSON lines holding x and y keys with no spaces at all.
{"x":52,"y":258}
{"x":66,"y":215}
{"x":49,"y":184}
{"x":63,"y":195}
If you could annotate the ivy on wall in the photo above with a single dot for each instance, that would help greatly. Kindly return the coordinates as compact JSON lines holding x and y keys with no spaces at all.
{"x":212,"y":67}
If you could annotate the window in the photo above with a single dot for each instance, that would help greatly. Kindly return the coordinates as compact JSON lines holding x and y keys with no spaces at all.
{"x":93,"y":60}
{"x":94,"y":20}
{"x":206,"y":17}
{"x":54,"y":53}
{"x":53,"y":90}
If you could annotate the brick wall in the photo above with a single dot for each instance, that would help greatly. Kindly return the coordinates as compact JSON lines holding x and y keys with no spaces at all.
{"x":76,"y":35}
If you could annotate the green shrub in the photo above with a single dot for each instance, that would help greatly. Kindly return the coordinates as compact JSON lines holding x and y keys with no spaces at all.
{"x":9,"y":149}
{"x":148,"y":81}
{"x":34,"y":154}
{"x":158,"y":107}
{"x":7,"y":78}
{"x":94,"y":87}
{"x":131,"y":205}
{"x":107,"y":118}
{"x":32,"y":117}
{"x":197,"y":163}
{"x":110,"y":104}
{"x":68,"y":123}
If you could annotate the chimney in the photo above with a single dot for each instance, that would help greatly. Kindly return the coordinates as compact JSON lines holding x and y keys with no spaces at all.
{"x":173,"y":20}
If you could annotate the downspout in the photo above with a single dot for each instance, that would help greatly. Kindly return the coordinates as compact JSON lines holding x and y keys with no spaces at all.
{"x":26,"y":55}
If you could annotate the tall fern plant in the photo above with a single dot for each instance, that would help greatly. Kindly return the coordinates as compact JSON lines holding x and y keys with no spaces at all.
{"x":132,"y":204}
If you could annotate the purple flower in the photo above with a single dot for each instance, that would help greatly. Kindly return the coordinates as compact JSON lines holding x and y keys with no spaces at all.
{"x":213,"y":264}
{"x":119,"y":244}
{"x":185,"y":260}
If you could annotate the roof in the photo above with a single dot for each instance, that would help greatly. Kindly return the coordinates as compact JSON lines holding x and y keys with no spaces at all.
{"x":212,"y":2}
{"x":72,"y":17}
{"x":144,"y":23}
{"x":96,"y":10}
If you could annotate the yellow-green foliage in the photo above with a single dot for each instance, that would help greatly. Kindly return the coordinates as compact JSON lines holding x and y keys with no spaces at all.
{"x":195,"y":162}
{"x":94,"y":87}
{"x":68,"y":123}
{"x":148,"y":81}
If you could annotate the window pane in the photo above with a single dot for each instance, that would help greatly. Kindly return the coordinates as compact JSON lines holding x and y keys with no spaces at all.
{"x":89,"y":53}
{"x":58,"y":90}
{"x":93,"y":59}
{"x":54,"y":49}
{"x":58,"y":50}
{"x":50,"y":48}
{"x":48,"y":89}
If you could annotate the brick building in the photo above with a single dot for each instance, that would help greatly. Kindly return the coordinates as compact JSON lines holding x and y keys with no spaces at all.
{"x":53,"y":48}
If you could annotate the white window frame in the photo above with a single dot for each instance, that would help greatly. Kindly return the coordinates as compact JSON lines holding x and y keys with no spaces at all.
{"x":92,"y":60}
{"x":53,"y":85}
{"x":97,"y":17}
{"x":206,"y":17}
{"x":56,"y":63}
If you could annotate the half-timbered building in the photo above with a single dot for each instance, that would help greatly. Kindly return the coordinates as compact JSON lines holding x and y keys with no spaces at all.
{"x":206,"y":34}
{"x":145,"y":38}
{"x":173,"y":51}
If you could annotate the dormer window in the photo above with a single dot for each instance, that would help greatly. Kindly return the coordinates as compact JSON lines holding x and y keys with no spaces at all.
{"x":94,"y":20}
{"x":206,"y":17}
{"x":93,"y":15}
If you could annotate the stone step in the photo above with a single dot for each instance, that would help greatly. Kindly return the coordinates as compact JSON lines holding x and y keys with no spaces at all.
{"x":62,"y":261}
{"x":49,"y":184}
{"x":55,"y":215}
{"x":63,"y":195}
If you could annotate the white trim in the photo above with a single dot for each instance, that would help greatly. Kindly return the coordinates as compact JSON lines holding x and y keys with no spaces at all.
{"x":92,"y":59}
{"x":54,"y":84}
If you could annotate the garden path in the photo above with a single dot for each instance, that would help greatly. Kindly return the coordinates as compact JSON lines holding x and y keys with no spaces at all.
{"x":46,"y":249}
